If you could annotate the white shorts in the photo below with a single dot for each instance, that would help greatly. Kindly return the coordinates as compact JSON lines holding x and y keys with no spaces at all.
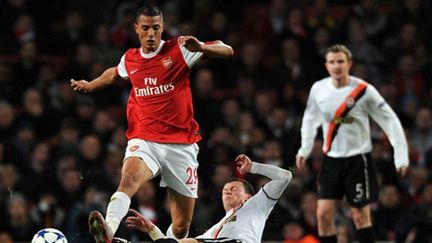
{"x":176,"y":163}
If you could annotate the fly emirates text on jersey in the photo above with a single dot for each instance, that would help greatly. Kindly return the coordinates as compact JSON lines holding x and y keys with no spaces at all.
{"x":152,"y":88}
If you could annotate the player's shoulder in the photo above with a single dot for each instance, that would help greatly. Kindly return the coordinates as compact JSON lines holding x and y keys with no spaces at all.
{"x":320,"y":84}
{"x":356,"y":81}
{"x":133,"y":52}
{"x":173,"y":41}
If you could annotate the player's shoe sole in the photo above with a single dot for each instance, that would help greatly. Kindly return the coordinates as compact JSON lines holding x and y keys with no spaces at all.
{"x":98,"y":228}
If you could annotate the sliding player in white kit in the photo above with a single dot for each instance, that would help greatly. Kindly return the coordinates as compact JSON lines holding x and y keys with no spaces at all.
{"x":246,"y":213}
{"x":162,"y":132}
{"x":341,"y":104}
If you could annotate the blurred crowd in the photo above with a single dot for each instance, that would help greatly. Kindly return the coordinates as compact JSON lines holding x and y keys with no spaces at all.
{"x":61,"y":152}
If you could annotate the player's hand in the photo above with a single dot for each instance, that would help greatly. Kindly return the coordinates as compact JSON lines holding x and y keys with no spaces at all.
{"x":244,"y":164}
{"x":402,"y":170}
{"x":191,"y":43}
{"x":80,"y":85}
{"x":139,"y":222}
{"x":300,"y":162}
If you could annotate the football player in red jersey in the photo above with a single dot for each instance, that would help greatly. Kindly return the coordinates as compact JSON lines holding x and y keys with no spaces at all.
{"x":162,"y":133}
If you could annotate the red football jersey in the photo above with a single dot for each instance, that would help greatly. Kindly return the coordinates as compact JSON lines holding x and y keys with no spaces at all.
{"x":160,"y":105}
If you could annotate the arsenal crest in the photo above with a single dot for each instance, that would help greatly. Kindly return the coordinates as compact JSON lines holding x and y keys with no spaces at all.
{"x":166,"y":62}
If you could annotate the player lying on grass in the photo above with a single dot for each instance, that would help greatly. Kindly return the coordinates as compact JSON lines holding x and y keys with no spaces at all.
{"x":246,"y":213}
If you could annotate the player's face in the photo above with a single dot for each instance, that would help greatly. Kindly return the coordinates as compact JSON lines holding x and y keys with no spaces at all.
{"x":234,"y":195}
{"x":337,"y":65}
{"x":149,"y":30}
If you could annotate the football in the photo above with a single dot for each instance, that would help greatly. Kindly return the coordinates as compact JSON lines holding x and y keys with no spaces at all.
{"x":49,"y":235}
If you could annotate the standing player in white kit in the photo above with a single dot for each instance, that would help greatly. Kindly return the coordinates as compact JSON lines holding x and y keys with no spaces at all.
{"x":162,"y":133}
{"x":341,"y":104}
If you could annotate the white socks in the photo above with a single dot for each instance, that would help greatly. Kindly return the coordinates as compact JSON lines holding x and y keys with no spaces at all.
{"x":170,"y":233}
{"x":117,"y":208}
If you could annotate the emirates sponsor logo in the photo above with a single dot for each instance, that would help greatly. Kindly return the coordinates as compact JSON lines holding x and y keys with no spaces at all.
{"x":167,"y":62}
{"x":154,"y":90}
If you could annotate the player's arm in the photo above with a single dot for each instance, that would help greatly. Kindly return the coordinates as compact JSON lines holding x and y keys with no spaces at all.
{"x":211,"y":49}
{"x":139,"y":222}
{"x":280,"y":178}
{"x":310,"y":123}
{"x":386,"y":118}
{"x":107,"y":78}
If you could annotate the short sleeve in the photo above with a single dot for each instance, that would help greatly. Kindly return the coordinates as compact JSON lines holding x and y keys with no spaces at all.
{"x":121,"y":68}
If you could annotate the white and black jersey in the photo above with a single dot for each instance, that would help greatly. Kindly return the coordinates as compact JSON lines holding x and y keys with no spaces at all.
{"x":343,"y":114}
{"x":246,"y":224}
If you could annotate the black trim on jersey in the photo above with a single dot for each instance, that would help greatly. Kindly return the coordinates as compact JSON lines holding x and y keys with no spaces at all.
{"x":217,"y":240}
{"x":268,"y":195}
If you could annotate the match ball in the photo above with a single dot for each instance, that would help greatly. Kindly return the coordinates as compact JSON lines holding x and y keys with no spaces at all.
{"x":49,"y":235}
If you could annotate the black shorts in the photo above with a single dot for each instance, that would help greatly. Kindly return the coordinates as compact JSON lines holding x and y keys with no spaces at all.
{"x":218,"y":240}
{"x":352,"y":176}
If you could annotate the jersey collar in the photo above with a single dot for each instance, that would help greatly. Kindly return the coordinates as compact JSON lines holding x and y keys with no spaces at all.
{"x":152,"y":54}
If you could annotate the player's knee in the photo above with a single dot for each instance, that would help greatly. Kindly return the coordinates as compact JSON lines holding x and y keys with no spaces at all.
{"x":360,"y":220}
{"x":180,"y":231}
{"x":324,"y":216}
{"x":168,"y":240}
{"x":130,"y":183}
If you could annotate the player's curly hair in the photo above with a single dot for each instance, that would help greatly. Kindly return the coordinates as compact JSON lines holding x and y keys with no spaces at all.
{"x":246,"y":185}
{"x":149,"y":10}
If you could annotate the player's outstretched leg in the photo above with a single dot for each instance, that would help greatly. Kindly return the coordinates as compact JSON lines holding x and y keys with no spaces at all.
{"x":99,"y":229}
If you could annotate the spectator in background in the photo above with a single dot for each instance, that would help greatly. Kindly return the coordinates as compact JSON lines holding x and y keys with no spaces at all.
{"x":421,"y":135}
{"x":7,"y":118}
{"x":37,"y":113}
{"x":5,"y":237}
{"x":318,"y":14}
{"x":10,"y":90}
{"x":27,"y":67}
{"x":19,"y":223}
{"x":204,"y":97}
{"x":424,"y":214}
{"x":371,"y":15}
{"x":388,"y":213}
{"x":293,"y":232}
{"x":47,"y":213}
{"x":410,"y":82}
{"x":103,"y":51}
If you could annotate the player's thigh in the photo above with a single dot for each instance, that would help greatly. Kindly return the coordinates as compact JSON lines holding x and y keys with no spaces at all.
{"x":361,"y":184}
{"x":180,"y":168}
{"x":140,"y":161}
{"x":136,"y":168}
{"x":181,"y":207}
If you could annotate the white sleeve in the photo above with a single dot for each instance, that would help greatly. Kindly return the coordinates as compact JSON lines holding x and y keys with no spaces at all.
{"x":310,"y":123}
{"x":191,"y":58}
{"x":121,"y":68}
{"x":280,"y":179}
{"x":386,"y":118}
